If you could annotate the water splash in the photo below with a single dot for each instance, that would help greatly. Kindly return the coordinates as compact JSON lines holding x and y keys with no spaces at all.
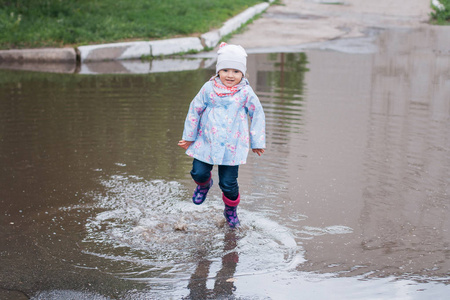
{"x":317,"y":231}
{"x":154,"y":232}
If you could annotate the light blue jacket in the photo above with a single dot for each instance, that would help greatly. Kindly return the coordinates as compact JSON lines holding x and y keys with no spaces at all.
{"x":217,"y":122}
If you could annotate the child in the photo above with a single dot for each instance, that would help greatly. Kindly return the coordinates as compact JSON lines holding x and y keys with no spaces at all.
{"x":216,"y":130}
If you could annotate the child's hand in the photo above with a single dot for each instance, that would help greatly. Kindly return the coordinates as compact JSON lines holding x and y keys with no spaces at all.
{"x":258,"y":151}
{"x":184,"y":144}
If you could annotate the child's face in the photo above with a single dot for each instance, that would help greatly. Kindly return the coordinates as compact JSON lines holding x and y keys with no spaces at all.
{"x":230,"y":77}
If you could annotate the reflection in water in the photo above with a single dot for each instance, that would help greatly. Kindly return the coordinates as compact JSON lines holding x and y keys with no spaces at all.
{"x":407,"y":163}
{"x":278,"y":80}
{"x":349,"y":201}
{"x":223,"y":285}
{"x":379,"y":126}
{"x":224,"y":281}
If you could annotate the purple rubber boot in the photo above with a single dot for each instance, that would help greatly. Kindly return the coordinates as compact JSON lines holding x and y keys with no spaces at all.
{"x":201,"y":191}
{"x":230,"y":211}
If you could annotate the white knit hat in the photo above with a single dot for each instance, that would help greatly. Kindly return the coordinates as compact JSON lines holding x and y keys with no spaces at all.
{"x":231,"y":57}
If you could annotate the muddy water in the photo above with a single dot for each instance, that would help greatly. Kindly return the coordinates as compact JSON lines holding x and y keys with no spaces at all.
{"x":350,"y":200}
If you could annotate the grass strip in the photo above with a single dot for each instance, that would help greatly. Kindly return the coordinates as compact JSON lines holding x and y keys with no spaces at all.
{"x":58,"y":23}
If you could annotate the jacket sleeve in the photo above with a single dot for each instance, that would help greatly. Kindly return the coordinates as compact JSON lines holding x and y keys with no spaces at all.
{"x":257,"y":122}
{"x":196,"y":109}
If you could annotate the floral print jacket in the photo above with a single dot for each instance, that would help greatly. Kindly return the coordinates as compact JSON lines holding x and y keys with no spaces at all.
{"x":217,"y":122}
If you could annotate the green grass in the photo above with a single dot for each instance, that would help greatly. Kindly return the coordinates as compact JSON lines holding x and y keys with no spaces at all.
{"x":441,"y":17}
{"x":57,"y":23}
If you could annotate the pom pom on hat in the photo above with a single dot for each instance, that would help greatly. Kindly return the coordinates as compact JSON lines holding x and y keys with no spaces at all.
{"x":231,"y":57}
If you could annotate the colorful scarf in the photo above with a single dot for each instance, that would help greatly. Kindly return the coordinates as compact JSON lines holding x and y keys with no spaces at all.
{"x":222,"y":90}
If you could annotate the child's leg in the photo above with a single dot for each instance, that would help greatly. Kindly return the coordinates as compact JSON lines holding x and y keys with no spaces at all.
{"x":228,"y":184}
{"x":201,"y":173}
{"x":228,"y":181}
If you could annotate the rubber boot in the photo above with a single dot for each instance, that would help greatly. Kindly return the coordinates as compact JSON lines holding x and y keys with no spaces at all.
{"x":230,"y":211}
{"x":201,"y":191}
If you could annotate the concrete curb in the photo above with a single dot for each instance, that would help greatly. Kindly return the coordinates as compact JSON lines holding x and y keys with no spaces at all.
{"x":57,"y":55}
{"x":212,"y":38}
{"x":145,"y":67}
{"x":134,"y":50}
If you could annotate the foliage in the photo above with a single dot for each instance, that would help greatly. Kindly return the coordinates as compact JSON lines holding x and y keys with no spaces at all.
{"x":441,"y":13}
{"x":38,"y":23}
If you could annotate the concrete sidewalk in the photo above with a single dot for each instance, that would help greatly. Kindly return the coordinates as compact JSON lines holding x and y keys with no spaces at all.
{"x":301,"y":22}
{"x":133,"y":50}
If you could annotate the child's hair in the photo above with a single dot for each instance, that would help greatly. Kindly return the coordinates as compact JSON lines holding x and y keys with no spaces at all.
{"x":231,"y":57}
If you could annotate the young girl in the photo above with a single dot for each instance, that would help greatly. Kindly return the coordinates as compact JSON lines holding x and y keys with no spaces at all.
{"x":216,"y":130}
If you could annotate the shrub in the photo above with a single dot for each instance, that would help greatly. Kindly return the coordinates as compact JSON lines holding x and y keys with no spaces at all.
{"x":441,"y":11}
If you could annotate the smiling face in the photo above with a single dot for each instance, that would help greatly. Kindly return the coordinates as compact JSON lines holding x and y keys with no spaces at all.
{"x":230,"y":77}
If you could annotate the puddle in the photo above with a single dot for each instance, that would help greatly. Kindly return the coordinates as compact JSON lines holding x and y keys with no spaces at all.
{"x":348,"y":202}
